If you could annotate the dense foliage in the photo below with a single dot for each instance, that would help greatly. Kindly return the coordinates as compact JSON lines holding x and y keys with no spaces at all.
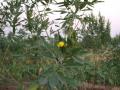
{"x":59,"y":54}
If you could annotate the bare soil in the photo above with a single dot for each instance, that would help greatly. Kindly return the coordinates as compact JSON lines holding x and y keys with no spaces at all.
{"x":86,"y":86}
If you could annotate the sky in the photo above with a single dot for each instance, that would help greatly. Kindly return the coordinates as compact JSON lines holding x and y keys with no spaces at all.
{"x":111,"y":10}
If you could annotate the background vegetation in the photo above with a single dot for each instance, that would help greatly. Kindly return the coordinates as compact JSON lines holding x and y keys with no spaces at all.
{"x":29,"y":53}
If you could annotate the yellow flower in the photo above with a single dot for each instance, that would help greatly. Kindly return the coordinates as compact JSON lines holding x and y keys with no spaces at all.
{"x":61,"y":44}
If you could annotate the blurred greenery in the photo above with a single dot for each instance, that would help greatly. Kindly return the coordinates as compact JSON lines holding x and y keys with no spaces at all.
{"x":89,"y":55}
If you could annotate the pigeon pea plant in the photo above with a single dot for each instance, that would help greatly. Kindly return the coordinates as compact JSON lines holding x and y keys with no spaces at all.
{"x":51,"y":64}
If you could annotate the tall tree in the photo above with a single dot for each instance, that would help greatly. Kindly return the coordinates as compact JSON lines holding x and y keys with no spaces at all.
{"x":96,"y":32}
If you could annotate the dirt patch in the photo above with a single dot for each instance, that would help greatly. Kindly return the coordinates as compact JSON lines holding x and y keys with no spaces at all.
{"x":85,"y":86}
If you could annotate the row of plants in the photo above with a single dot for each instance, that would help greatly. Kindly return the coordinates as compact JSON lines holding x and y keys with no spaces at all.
{"x":52,"y":65}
